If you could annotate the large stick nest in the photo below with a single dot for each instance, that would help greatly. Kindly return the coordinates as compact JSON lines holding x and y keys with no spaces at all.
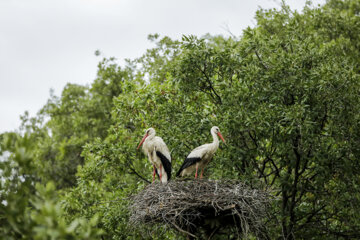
{"x":202,"y":207}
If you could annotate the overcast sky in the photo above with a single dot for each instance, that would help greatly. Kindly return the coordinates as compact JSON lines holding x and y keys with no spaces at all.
{"x":45,"y":44}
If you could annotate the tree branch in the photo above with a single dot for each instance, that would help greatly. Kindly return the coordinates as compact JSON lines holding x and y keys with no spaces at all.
{"x":137,"y":174}
{"x":203,"y":71}
{"x":260,"y":60}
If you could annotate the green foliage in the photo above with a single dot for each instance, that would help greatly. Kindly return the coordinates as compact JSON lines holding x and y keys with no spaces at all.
{"x":17,"y":178}
{"x":49,"y":224}
{"x":285,"y":96}
{"x":79,"y":116}
{"x":29,"y":210}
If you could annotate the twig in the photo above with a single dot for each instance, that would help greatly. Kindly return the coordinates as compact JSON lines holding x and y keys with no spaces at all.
{"x":182,"y":230}
{"x":137,"y":174}
{"x":187,"y":204}
{"x":260,"y":60}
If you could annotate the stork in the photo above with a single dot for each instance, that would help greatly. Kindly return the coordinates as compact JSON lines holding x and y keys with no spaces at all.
{"x":158,"y":153}
{"x":201,"y":156}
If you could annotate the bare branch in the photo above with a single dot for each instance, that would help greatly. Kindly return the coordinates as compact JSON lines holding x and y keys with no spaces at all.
{"x":137,"y":174}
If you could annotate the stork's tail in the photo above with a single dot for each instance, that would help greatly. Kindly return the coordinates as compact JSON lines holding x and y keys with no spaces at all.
{"x":187,"y":163}
{"x":166,"y":165}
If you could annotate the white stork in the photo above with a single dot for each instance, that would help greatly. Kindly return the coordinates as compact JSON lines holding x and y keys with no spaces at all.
{"x":201,"y":156}
{"x":158,"y":153}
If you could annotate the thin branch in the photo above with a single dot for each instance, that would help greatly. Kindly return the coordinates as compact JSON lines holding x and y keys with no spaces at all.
{"x":137,"y":174}
{"x":182,"y":230}
{"x":253,"y":138}
{"x":210,"y":83}
{"x":260,"y":60}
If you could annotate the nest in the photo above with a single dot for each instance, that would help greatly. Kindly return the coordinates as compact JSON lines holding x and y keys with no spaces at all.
{"x":203,"y":208}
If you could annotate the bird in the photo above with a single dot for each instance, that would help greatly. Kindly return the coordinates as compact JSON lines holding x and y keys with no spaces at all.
{"x":158,"y":154}
{"x":201,"y":156}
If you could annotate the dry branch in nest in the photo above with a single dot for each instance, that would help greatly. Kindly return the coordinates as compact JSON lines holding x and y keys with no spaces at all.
{"x":201,"y":208}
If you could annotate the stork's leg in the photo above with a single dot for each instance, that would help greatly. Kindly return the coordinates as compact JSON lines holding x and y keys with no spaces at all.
{"x":202,"y":170}
{"x":153,"y":173}
{"x":160,"y":172}
{"x":196,"y":173}
{"x":201,"y":174}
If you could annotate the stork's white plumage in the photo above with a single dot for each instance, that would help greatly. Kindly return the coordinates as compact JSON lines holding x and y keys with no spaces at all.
{"x":201,"y":156}
{"x":158,"y":153}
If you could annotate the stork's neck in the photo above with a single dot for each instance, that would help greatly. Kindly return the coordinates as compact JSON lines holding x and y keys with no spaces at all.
{"x":150,"y":137}
{"x":215,"y":142}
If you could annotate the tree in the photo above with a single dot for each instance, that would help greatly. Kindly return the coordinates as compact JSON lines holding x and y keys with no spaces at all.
{"x":288,"y":96}
{"x":79,"y":116}
{"x":29,"y":210}
{"x":285,"y":94}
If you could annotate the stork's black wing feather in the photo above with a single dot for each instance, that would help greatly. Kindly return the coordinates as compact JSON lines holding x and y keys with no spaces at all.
{"x":187,"y":163}
{"x":166,"y":164}
{"x":157,"y":174}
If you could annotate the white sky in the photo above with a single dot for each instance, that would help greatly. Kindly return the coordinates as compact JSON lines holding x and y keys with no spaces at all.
{"x":47,"y":43}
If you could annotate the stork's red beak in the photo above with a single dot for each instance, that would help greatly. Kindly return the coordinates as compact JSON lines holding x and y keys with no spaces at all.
{"x":142,"y":140}
{"x":220,"y":136}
